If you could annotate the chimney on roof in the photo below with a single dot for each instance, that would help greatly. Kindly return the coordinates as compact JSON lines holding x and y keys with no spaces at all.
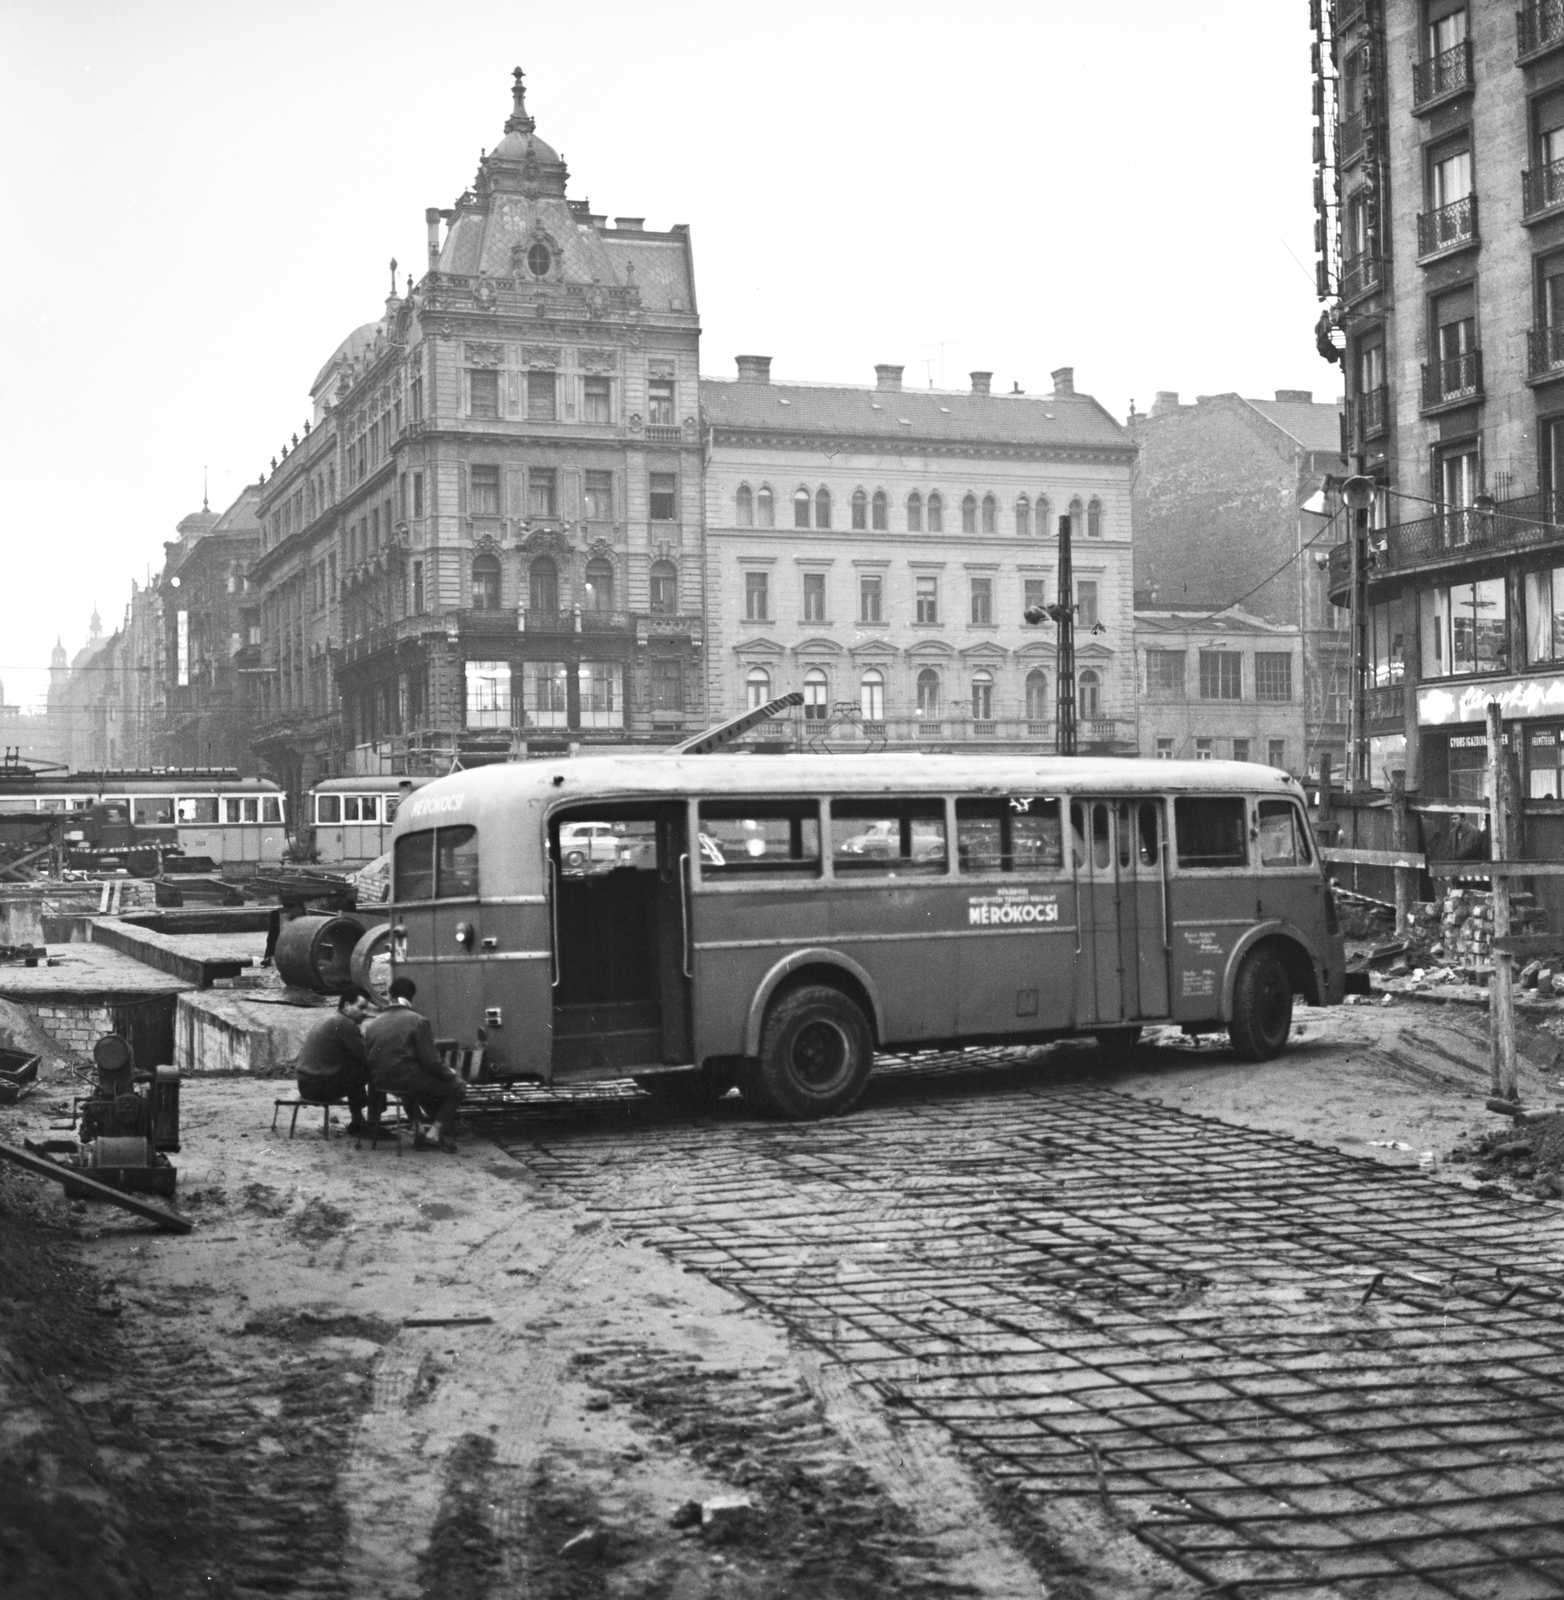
{"x":1166,"y":401}
{"x":1064,"y":380}
{"x":754,"y":369}
{"x":598,"y":219}
{"x":432,"y":222}
{"x":630,"y":224}
{"x":981,"y":382}
{"x":1295,"y":397}
{"x":887,"y":377}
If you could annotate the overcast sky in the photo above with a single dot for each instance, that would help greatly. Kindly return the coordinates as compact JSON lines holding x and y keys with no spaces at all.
{"x":202,"y":200}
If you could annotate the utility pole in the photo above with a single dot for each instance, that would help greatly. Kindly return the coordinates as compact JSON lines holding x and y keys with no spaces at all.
{"x":1358,"y":492}
{"x":1062,"y":614}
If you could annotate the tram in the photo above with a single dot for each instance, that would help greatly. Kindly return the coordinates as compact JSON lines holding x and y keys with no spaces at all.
{"x":350,"y":819}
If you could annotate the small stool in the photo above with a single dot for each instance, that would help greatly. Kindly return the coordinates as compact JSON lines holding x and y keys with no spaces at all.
{"x":296,"y":1105}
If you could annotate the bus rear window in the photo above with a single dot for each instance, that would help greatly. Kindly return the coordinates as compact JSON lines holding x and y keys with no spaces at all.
{"x":1284,"y":840}
{"x":441,"y":864}
{"x":901,"y":836}
{"x":328,"y":808}
{"x":1211,"y":831}
{"x":769,"y":838}
{"x":1020,"y":834}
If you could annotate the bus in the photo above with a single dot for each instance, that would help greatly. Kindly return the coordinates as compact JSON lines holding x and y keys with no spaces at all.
{"x":135,"y":817}
{"x":775,"y":920}
{"x":351,"y":818}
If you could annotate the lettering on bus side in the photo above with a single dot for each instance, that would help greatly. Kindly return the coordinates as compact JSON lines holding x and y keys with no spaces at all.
{"x":1010,"y":907}
{"x":1199,"y":983}
{"x":435,"y":805}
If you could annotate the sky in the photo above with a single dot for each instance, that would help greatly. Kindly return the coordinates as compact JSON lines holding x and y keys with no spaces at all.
{"x":203,"y":200}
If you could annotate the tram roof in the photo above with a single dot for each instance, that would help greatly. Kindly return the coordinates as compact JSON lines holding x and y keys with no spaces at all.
{"x":587,"y":778}
{"x":385,"y":784}
{"x":137,"y":783}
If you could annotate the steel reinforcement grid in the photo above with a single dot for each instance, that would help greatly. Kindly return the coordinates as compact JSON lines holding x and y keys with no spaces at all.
{"x":1284,"y":1368}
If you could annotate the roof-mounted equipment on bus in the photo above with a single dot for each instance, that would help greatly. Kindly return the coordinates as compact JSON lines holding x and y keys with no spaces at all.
{"x":726,"y":732}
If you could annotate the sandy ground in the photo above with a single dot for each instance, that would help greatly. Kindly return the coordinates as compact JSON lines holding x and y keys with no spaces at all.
{"x":382,"y":1374}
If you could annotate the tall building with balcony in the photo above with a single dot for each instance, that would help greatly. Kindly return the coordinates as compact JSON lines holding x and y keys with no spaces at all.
{"x":1441,"y":158}
{"x":488,"y":539}
{"x":875,"y":549}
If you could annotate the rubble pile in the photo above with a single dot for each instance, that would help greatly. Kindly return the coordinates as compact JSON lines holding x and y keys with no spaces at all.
{"x":1531,"y":1153}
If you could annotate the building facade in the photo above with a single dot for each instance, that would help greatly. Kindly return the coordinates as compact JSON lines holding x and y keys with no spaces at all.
{"x":1219,"y":490}
{"x":875,"y":549}
{"x":1441,"y":152}
{"x":488,"y":539}
{"x":1223,"y":687}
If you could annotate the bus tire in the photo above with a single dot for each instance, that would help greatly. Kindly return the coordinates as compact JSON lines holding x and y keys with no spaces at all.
{"x":1262,"y":1006}
{"x":815,"y":1054}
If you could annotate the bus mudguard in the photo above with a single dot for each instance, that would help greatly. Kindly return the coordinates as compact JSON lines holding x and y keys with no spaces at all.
{"x":812,"y":956}
{"x":1273,"y":929}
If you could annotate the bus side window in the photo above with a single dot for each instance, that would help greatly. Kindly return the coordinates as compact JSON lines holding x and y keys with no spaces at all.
{"x":980,"y":835}
{"x":1016,"y":835}
{"x":1102,"y":855}
{"x":457,"y":862}
{"x":1150,"y":833}
{"x":1283,"y":842}
{"x":414,"y":866}
{"x":1125,"y":830}
{"x":368,"y":807}
{"x":328,"y":808}
{"x":233,"y":809}
{"x":1035,"y":840}
{"x":350,"y":808}
{"x":899,"y":836}
{"x":1212,"y":831}
{"x":1078,"y":833}
{"x":774,"y":838}
{"x":199,"y":809}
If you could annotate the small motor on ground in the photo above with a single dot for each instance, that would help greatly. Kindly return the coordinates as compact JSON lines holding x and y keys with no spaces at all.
{"x":128,"y":1120}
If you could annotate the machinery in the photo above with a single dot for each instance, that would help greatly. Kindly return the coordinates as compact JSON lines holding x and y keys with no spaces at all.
{"x":127,"y":1122}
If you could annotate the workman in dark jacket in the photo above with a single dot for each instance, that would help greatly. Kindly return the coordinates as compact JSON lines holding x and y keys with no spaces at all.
{"x":334,"y":1065}
{"x":403,"y":1061}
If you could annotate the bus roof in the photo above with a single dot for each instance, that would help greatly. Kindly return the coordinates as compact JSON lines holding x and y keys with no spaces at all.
{"x":386,"y":784}
{"x":462,"y":796}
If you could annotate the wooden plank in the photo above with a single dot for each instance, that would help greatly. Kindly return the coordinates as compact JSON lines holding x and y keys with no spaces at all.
{"x":43,"y":1167}
{"x":1496,"y":869}
{"x":1529,"y":944}
{"x":1373,"y":858}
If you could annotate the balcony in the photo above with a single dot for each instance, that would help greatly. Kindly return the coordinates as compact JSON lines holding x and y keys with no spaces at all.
{"x":1361,"y":275}
{"x":1347,"y":13}
{"x":1542,"y":188}
{"x":1451,"y":227}
{"x":1544,"y":353}
{"x":1370,"y":414}
{"x":1454,"y":381}
{"x":1441,"y":77}
{"x":1354,"y":138}
{"x":1539,"y":28}
{"x":664,"y":433}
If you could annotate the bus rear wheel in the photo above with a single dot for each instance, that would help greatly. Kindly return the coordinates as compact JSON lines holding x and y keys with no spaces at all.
{"x":815,"y":1054}
{"x":1262,"y":1006}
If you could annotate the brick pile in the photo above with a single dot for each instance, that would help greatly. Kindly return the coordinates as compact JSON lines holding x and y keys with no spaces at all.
{"x":1466,"y":926}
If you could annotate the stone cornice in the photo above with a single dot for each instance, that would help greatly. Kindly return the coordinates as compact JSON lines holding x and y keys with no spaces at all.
{"x":842,"y":443}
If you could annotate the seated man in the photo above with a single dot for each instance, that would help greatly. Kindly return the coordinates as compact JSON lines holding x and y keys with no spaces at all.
{"x":403,"y":1061}
{"x":333,"y":1065}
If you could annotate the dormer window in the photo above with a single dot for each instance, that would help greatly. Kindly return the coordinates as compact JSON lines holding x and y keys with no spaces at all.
{"x":539,"y":259}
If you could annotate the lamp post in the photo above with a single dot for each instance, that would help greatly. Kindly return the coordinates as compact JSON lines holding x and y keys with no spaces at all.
{"x":1358,"y":492}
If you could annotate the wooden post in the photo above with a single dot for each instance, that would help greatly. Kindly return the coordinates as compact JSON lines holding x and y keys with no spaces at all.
{"x":1501,"y":986}
{"x":1406,"y":880}
{"x":1324,"y":795}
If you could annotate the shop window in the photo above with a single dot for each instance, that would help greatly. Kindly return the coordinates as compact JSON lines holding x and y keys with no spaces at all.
{"x":488,"y":694}
{"x":1545,"y":615}
{"x":601,"y":687}
{"x":1466,"y":629}
{"x":1386,"y":645}
{"x":1542,"y":763}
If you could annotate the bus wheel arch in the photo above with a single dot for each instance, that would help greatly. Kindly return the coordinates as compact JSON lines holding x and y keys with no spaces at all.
{"x":827,"y":967}
{"x":1261,"y":1009}
{"x":1290,"y":951}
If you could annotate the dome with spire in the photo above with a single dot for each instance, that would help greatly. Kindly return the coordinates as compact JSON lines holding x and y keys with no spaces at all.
{"x":521,"y":163}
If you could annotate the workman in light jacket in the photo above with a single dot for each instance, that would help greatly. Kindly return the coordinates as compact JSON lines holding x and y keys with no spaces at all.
{"x":403,"y":1061}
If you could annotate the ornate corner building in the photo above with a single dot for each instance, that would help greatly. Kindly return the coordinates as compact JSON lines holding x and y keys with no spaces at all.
{"x":487,"y":540}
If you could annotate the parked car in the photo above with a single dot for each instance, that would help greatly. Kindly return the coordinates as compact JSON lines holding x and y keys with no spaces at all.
{"x":589,"y":846}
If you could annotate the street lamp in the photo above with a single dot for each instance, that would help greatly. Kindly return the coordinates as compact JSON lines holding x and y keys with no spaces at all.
{"x":1358,"y":493}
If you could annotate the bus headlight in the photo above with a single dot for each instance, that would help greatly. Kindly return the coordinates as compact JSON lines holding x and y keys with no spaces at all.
{"x":464,"y":935}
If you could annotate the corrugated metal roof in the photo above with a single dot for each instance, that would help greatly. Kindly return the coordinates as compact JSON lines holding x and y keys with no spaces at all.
{"x":889,"y":414}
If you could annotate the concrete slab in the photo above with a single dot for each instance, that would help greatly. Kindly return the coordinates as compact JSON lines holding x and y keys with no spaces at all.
{"x":224,"y":1031}
{"x":198,"y":959}
{"x":82,"y":971}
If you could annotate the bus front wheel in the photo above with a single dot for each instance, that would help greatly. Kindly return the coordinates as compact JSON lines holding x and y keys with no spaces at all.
{"x":1262,"y":1006}
{"x":815,"y":1054}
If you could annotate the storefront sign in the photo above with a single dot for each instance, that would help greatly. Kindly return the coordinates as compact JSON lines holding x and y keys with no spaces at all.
{"x":1469,"y":702}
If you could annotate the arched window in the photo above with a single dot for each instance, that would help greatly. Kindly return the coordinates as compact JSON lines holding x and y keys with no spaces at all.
{"x":871,"y":695}
{"x":816,"y":695}
{"x":801,"y":509}
{"x":983,"y":696}
{"x":881,"y":512}
{"x":1042,"y":517}
{"x":765,"y":509}
{"x":1088,"y":696}
{"x":1037,"y":695}
{"x":599,"y":585}
{"x":665,"y":589}
{"x":823,"y":509}
{"x":936,"y":513}
{"x":1077,"y":512}
{"x":969,"y":514}
{"x":1023,"y":517}
{"x":990,"y":514}
{"x":1094,"y":520}
{"x":915,"y":512}
{"x":928,"y":693}
{"x":860,"y":509}
{"x":744,"y":507}
{"x":485,"y":583}
{"x":757,"y":686}
{"x":543,"y":585}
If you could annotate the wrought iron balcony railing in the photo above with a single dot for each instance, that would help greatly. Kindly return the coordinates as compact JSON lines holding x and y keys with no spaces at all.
{"x":1454,"y":379}
{"x":1542,"y":188}
{"x":1372,"y":412}
{"x":1354,"y":137}
{"x":1360,"y":274}
{"x":1539,"y":27}
{"x":1347,"y":13}
{"x":1447,"y":228}
{"x":1544,"y":351}
{"x":1448,"y":73}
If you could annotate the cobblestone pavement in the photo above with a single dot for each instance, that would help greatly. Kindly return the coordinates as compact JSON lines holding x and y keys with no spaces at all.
{"x":1286,"y":1369}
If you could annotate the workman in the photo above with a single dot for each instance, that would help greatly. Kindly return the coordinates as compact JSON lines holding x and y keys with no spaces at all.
{"x":403,"y":1061}
{"x":334,"y":1064}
